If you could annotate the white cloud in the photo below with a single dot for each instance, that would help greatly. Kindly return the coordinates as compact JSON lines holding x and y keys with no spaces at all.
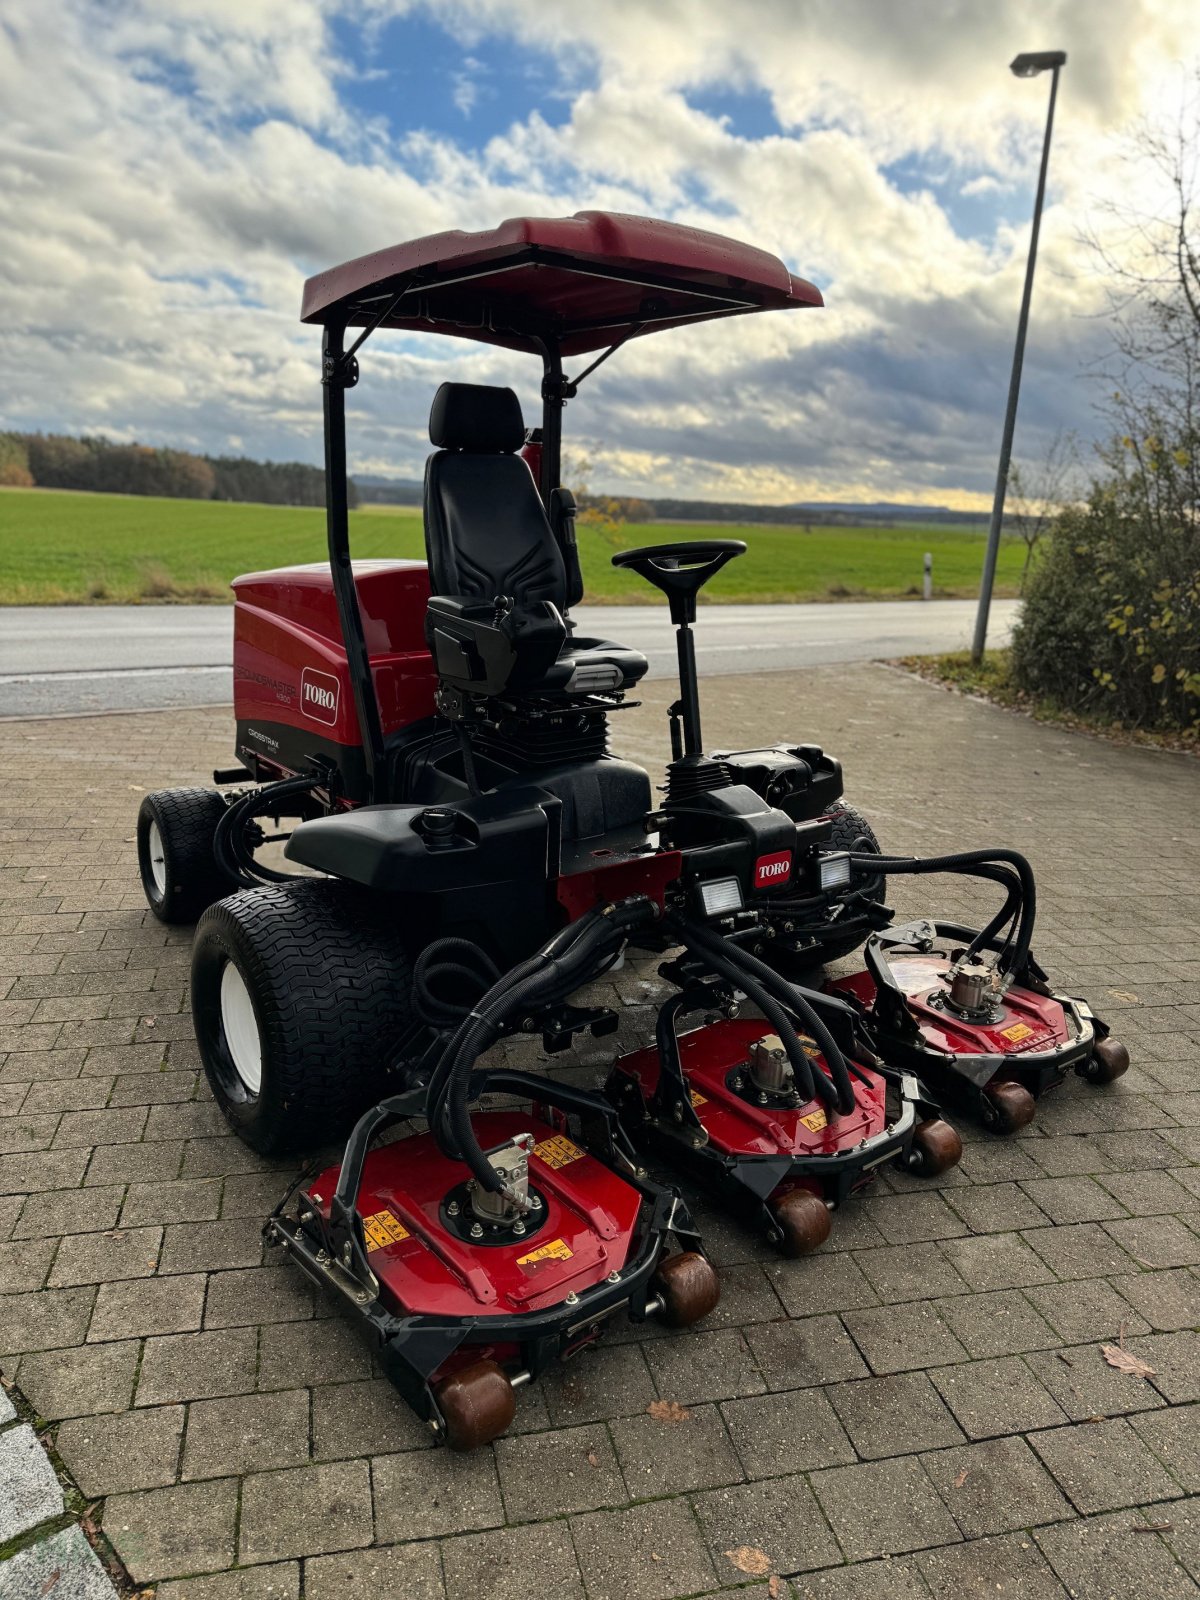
{"x":171,"y":170}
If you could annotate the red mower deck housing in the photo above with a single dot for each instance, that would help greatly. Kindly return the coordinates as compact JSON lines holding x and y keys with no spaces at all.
{"x":425,"y":1260}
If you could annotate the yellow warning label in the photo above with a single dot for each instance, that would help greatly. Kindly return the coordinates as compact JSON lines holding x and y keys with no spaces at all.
{"x":809,"y":1046}
{"x":557,"y":1151}
{"x":1019,"y":1030}
{"x":556,"y":1250}
{"x":383,"y":1229}
{"x":815,"y":1121}
{"x":698,"y":1099}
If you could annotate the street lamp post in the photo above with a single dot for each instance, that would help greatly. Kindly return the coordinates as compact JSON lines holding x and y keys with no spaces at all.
{"x":1025,"y":66}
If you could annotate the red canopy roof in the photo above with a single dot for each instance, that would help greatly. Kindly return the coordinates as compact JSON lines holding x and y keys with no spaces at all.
{"x":586,"y":281}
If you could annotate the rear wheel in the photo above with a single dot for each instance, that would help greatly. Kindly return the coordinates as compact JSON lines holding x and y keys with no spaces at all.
{"x":301,"y":996}
{"x":175,"y":831}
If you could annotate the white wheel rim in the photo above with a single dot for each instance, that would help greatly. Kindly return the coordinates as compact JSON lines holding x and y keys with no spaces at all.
{"x":240,"y":1027}
{"x":158,"y":858}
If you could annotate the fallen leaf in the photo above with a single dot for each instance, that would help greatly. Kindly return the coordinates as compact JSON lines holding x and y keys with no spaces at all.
{"x":1096,"y":1418}
{"x":50,"y":1582}
{"x":750,"y":1559}
{"x":961,"y":1478}
{"x":668,"y":1411}
{"x":1152,"y":1527}
{"x":1123,"y":994}
{"x":592,"y":1459}
{"x":1126,"y":1361}
{"x":773,"y":1589}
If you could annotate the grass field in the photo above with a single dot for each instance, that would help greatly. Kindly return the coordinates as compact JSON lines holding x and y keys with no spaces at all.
{"x":59,"y":547}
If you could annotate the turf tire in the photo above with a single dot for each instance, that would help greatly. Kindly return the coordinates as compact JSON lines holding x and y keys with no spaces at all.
{"x":327,"y":974}
{"x":180,"y":875}
{"x":849,"y":828}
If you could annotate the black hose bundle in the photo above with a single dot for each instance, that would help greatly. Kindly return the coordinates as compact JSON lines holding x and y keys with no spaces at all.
{"x":232,"y":853}
{"x":573,"y":957}
{"x":1020,"y":897}
{"x":780,"y":1002}
{"x":460,"y":963}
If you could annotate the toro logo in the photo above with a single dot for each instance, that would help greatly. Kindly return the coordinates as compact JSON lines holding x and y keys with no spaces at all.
{"x":319,"y":696}
{"x":769,"y":870}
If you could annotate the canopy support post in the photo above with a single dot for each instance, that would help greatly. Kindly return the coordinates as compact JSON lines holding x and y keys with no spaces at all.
{"x":339,"y":372}
{"x":554,"y":399}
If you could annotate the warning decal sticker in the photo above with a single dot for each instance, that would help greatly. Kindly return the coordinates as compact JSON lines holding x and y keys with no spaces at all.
{"x":556,"y":1250}
{"x":815,"y":1121}
{"x":382,"y":1229}
{"x":557,"y":1151}
{"x":698,"y":1099}
{"x":1018,"y":1031}
{"x":809,"y":1046}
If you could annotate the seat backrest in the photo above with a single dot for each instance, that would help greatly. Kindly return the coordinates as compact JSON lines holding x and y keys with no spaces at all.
{"x":486,"y":532}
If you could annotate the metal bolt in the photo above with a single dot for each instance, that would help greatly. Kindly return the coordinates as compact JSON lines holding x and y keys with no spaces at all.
{"x":477,"y":1230}
{"x":535,"y":1201}
{"x":572,"y":1298}
{"x":614,"y":1277}
{"x":677,"y":1113}
{"x":453,"y":1208}
{"x":518,"y":1227}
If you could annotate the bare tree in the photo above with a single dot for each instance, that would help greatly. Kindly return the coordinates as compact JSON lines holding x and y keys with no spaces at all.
{"x":1038,"y":493}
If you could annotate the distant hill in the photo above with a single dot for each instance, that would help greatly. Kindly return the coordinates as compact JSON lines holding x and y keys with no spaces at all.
{"x":379,"y":490}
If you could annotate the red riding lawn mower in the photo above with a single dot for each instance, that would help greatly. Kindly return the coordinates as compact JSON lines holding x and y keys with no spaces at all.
{"x":475,"y":855}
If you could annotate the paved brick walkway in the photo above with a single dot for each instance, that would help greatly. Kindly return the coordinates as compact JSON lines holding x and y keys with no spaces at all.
{"x":928,"y":1390}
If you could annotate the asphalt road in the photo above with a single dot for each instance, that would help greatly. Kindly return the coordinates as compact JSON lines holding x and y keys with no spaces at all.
{"x":60,"y":660}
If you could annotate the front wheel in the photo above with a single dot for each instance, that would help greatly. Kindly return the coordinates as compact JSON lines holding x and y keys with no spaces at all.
{"x":175,"y":832}
{"x":301,"y":998}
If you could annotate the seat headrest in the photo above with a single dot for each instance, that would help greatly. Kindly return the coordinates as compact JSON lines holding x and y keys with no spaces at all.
{"x":476,"y":418}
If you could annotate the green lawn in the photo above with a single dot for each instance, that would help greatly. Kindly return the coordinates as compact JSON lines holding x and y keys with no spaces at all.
{"x":58,"y":547}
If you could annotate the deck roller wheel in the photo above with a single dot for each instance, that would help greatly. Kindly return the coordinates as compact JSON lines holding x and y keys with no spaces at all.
{"x":1108,"y":1061}
{"x":936,"y":1147}
{"x":477,"y":1404}
{"x":803,"y":1220}
{"x":1005,"y":1106}
{"x":688,"y":1287}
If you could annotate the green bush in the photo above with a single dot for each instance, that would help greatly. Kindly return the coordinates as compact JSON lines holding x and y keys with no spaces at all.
{"x":14,"y":462}
{"x":1111,"y":619}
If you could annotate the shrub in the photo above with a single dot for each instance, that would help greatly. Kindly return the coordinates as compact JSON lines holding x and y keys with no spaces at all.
{"x":14,"y":462}
{"x":1111,"y":619}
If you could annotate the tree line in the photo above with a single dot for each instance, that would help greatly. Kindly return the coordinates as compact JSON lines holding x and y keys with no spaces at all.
{"x":62,"y":461}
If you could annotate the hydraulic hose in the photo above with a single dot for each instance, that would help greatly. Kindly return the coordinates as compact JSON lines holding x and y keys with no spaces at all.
{"x":562,"y":965}
{"x":229,"y":845}
{"x":1015,"y":957}
{"x":782,"y":999}
{"x":449,"y":960}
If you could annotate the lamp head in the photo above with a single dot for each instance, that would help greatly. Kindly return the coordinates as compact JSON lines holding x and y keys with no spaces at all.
{"x":1031,"y":62}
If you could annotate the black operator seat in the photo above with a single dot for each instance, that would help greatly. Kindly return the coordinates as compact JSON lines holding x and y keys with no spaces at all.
{"x":494,"y":557}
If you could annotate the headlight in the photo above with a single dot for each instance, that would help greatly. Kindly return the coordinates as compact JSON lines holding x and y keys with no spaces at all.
{"x":835,"y":871}
{"x":721,"y":896}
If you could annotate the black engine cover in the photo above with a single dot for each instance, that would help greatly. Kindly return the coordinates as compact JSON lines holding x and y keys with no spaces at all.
{"x":798,"y":779}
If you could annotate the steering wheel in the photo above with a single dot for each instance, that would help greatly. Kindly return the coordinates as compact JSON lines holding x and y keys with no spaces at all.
{"x":681,"y":570}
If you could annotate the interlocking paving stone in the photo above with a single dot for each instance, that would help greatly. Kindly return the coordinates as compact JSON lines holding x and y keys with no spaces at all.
{"x":794,"y":1431}
{"x":1099,"y":1556}
{"x":793,"y":1355}
{"x":279,"y":1581}
{"x":161,"y":1533}
{"x":709,"y":1366}
{"x":64,"y":1565}
{"x":580,"y":1463}
{"x":304,"y":1511}
{"x":1013,"y":1568}
{"x":132,"y":1450}
{"x":1000,"y":1323}
{"x":884,"y":1508}
{"x":1167,"y":1300}
{"x":31,"y":1491}
{"x":903,"y":1338}
{"x":408,"y":1571}
{"x":148,"y":1306}
{"x":995,"y":1397}
{"x":1174,"y":1437}
{"x":650,"y":1552}
{"x":1103,"y":1465}
{"x":250,"y":1432}
{"x":106,"y":1257}
{"x":660,"y":1458}
{"x":995,"y":1486}
{"x":894,"y":1416}
{"x":505,"y":1565}
{"x":1088,"y":1386}
{"x":888,"y":1579}
{"x":364,"y":1419}
{"x":196,"y":1366}
{"x":1091,"y":1310}
{"x":424,"y":1493}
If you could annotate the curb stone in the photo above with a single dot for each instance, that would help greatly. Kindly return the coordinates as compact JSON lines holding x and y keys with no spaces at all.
{"x":60,"y":1562}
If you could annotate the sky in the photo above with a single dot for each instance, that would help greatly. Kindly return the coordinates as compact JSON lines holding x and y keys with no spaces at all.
{"x":172,"y":170}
